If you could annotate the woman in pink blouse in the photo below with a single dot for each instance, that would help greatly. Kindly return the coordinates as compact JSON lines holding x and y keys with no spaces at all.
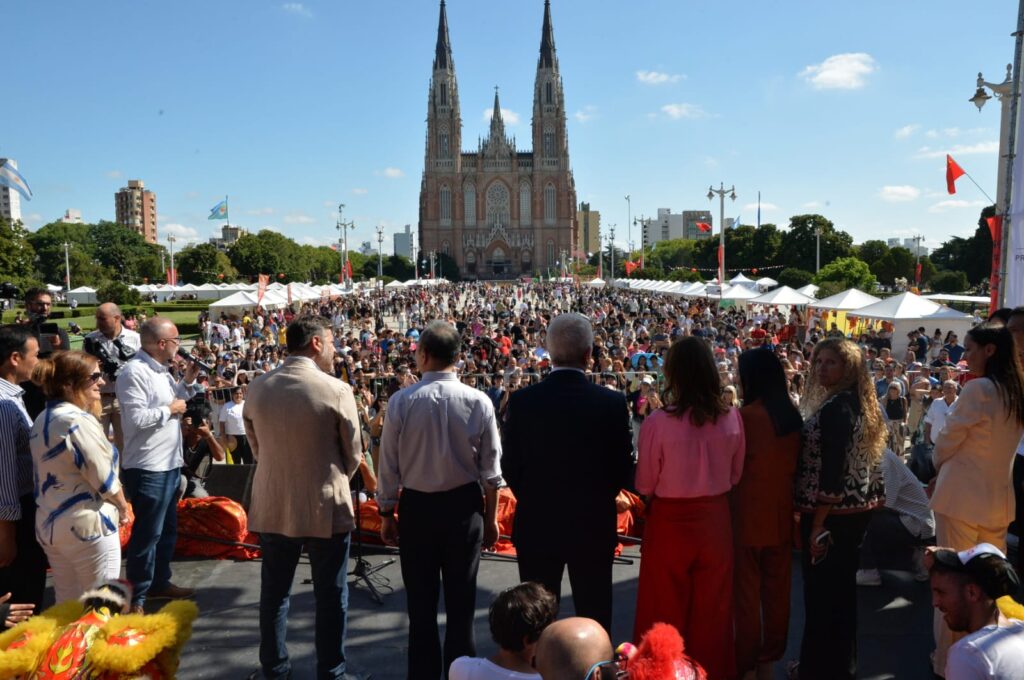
{"x":691,"y":455}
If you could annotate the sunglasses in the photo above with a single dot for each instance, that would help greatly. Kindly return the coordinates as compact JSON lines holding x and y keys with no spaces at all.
{"x":95,"y":377}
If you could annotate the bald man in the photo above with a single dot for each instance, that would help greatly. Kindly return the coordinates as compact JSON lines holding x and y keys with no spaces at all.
{"x":152,"y":403}
{"x":570,"y":648}
{"x":113,"y":345}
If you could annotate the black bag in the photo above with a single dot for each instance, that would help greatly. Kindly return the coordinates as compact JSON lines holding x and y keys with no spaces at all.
{"x":921,"y":462}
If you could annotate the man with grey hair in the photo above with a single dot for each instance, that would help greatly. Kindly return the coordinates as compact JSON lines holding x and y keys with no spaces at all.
{"x":440,"y":444}
{"x":113,"y":345}
{"x":566,"y":441}
{"x":152,"y":403}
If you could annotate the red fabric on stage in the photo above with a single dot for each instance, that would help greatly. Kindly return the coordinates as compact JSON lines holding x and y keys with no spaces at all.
{"x":218,"y":518}
{"x":686,"y":577}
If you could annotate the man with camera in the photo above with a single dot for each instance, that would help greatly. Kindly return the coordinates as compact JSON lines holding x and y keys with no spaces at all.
{"x":38,"y":303}
{"x":113,"y":345}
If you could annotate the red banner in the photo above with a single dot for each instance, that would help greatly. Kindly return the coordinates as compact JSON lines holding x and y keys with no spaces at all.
{"x":172,"y":277}
{"x":721,"y":273}
{"x":995,"y":227}
{"x":262,"y":290}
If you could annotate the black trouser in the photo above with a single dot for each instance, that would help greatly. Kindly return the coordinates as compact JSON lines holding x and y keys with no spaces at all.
{"x":590,"y":575}
{"x":242,"y":455}
{"x":1018,"y":495}
{"x":440,"y":535}
{"x":889,"y":539}
{"x":25,"y":578}
{"x":828,"y":650}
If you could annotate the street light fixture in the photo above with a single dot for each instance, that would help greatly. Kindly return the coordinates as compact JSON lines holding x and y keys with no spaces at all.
{"x":343,"y":228}
{"x":174,"y":274}
{"x":380,"y":251}
{"x":721,"y":191}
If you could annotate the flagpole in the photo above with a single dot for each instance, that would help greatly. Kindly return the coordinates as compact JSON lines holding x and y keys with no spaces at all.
{"x":968,"y":176}
{"x":227,"y":217}
{"x":1004,"y":264}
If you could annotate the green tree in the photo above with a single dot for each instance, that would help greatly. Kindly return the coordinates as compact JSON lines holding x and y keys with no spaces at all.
{"x":897,"y":263}
{"x":794,"y":278}
{"x":672,"y":253}
{"x":48,"y":242}
{"x":849,"y":272}
{"x":323,"y":264}
{"x":118,"y":293}
{"x":873,"y":250}
{"x":799,"y":244}
{"x":949,"y":282}
{"x":766,"y":245}
{"x":16,"y":253}
{"x":268,"y":252}
{"x":972,"y":255}
{"x":398,"y":267}
{"x":203,"y":263}
{"x":684,"y":274}
{"x":125,"y":252}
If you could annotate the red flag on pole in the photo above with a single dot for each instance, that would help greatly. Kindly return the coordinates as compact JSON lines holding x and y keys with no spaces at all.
{"x":704,"y":227}
{"x":262,"y":288}
{"x":917,"y":274}
{"x":172,"y":277}
{"x":348,"y":268}
{"x":953,"y":173}
{"x":631,"y":267}
{"x":721,"y":273}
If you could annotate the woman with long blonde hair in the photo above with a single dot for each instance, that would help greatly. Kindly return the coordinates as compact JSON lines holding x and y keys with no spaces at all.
{"x":79,"y":502}
{"x":838,"y":484}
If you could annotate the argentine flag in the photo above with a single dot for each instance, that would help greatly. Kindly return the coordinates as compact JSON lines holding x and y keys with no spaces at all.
{"x":12,"y":179}
{"x":219,"y":211}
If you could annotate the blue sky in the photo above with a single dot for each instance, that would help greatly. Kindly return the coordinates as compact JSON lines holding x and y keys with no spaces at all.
{"x":846,"y":109}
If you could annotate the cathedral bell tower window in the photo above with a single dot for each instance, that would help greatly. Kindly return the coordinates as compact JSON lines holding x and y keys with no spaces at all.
{"x":446,"y":206}
{"x":548,"y":93}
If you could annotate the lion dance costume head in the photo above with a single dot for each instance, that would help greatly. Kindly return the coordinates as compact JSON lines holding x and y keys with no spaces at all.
{"x":97,"y":639}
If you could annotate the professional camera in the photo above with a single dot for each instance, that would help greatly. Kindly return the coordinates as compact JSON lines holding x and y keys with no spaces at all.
{"x":9,"y":291}
{"x":111,"y":363}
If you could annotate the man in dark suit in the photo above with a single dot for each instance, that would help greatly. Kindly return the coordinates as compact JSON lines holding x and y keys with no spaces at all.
{"x":567,"y":452}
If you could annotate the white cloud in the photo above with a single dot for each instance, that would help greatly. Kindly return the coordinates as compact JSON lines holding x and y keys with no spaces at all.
{"x":260,"y":211}
{"x":391,"y":173}
{"x":180,"y":232}
{"x":32,"y":218}
{"x":955,"y":204}
{"x":959,"y":150}
{"x":115,"y":174}
{"x":906,"y":131}
{"x":297,"y":8}
{"x":899,"y":193}
{"x":711,"y":162}
{"x":313,"y":241}
{"x":841,"y":72}
{"x":509,"y":116}
{"x":811,"y":205}
{"x":951,"y":132}
{"x":679,"y":111}
{"x":359,"y":191}
{"x":658,"y":78}
{"x":765,"y":207}
{"x":298,"y":217}
{"x":585,"y":114}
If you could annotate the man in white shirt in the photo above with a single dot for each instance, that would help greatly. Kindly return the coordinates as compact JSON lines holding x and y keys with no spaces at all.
{"x":965,"y":587}
{"x":152,"y":403}
{"x":113,"y":345}
{"x":939,"y":411}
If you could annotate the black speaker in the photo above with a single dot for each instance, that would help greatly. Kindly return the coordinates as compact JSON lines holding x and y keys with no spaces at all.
{"x":231,"y":481}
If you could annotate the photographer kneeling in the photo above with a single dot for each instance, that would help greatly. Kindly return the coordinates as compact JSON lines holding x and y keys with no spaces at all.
{"x":113,"y":345}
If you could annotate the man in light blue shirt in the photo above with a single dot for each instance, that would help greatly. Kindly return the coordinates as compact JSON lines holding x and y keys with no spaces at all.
{"x":152,"y":403}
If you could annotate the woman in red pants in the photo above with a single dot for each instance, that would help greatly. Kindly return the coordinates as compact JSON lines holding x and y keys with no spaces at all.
{"x":691,"y":455}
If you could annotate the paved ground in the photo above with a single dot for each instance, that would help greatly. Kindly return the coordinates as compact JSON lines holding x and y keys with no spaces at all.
{"x":895,"y":621}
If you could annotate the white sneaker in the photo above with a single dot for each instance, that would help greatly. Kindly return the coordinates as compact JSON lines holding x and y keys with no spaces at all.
{"x":869,"y":577}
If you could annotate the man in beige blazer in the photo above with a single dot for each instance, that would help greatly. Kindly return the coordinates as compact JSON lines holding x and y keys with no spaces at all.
{"x":304,"y":432}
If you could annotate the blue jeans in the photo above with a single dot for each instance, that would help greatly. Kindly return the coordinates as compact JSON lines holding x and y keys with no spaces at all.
{"x":328,"y":558}
{"x":155,"y":531}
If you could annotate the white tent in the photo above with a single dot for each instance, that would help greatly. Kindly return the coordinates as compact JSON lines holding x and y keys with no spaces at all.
{"x":737,"y":294}
{"x":208,"y":291}
{"x":83,"y":294}
{"x":394,"y":285}
{"x":809,"y":289}
{"x":907,"y":312}
{"x":765,"y":283}
{"x":846,"y":301}
{"x":949,"y":297}
{"x":242,"y":300}
{"x":596,"y":283}
{"x":53,"y":289}
{"x":740,"y":280}
{"x":782,"y":296}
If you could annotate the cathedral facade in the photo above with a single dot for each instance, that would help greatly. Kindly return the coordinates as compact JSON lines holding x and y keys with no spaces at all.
{"x":499,"y":212}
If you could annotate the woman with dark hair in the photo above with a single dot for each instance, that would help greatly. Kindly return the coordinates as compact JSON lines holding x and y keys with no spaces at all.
{"x":691,"y":455}
{"x":762,"y":515}
{"x":838,"y":484}
{"x":973,"y":497}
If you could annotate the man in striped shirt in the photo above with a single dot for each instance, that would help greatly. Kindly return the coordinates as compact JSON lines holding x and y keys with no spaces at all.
{"x":22,"y":561}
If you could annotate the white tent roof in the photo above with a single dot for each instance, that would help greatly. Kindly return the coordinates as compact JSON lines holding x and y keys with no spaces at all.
{"x":394,"y":284}
{"x":208,"y":286}
{"x":949,"y":297}
{"x":596,"y":283}
{"x":782,"y":296}
{"x":739,"y":278}
{"x":82,"y":289}
{"x":271,"y":300}
{"x":767,"y":282}
{"x":908,"y":306}
{"x":809,"y":289}
{"x":738,"y":293}
{"x":52,"y":288}
{"x":848,"y":300}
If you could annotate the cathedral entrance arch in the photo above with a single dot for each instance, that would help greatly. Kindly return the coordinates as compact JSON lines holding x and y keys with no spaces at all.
{"x":497,"y":260}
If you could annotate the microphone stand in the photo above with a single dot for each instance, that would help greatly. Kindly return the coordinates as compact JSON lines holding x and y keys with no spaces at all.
{"x":362,"y":570}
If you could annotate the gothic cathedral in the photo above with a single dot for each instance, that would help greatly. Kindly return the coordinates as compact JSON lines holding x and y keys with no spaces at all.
{"x":499,"y":212}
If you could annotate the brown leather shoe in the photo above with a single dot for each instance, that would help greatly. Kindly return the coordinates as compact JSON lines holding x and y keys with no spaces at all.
{"x":136,"y":609}
{"x":172,"y":592}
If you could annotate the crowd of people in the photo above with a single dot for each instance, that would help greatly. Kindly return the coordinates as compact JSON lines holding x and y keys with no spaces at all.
{"x":746,"y":431}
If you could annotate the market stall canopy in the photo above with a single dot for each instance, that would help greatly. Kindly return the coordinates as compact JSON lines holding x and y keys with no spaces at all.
{"x":394,"y":285}
{"x":907,"y":312}
{"x":740,"y":279}
{"x":765,"y":282}
{"x":949,"y":297}
{"x":846,"y":301}
{"x":596,"y":283}
{"x":83,"y":294}
{"x":782,"y":296}
{"x":809,"y":289}
{"x":740,"y":293}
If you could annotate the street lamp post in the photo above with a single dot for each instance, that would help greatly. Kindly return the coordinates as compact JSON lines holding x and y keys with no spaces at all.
{"x":343,"y":228}
{"x":380,"y":251}
{"x":611,"y":248}
{"x":721,"y":191}
{"x":174,"y":274}
{"x":817,"y":249}
{"x":1007,"y":92}
{"x":629,"y":226}
{"x":67,"y":266}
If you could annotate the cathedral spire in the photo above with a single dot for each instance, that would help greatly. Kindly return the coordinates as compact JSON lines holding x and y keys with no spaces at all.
{"x":443,"y":52}
{"x":497,"y":123}
{"x":548,"y":56}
